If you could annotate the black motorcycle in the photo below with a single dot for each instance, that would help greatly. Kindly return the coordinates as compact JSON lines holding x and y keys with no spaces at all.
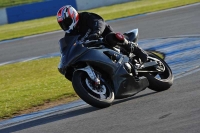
{"x":100,"y":74}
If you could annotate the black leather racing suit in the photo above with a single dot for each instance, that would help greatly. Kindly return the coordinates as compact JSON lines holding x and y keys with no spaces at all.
{"x":91,"y":23}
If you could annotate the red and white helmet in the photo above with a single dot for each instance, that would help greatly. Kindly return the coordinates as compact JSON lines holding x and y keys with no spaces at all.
{"x":67,"y":18}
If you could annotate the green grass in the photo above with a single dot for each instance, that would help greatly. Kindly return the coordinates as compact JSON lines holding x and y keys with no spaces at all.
{"x":26,"y":28}
{"x":8,"y":3}
{"x":21,"y":29}
{"x":28,"y":84}
{"x":139,"y":7}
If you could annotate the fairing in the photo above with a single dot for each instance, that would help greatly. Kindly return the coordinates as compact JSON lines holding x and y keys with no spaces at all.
{"x":123,"y":83}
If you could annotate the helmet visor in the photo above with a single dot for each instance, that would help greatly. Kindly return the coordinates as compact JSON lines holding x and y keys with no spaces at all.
{"x":65,"y":23}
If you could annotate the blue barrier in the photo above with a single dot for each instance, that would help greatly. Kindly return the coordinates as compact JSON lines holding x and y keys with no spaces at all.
{"x":36,"y":10}
{"x":48,"y":8}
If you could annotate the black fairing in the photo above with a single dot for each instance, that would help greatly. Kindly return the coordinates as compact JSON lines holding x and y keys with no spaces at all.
{"x":73,"y":54}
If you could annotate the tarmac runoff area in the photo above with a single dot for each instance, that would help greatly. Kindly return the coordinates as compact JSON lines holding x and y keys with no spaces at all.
{"x":182,"y":53}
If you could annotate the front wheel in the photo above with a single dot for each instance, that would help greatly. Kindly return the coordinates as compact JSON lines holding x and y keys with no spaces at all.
{"x":159,"y":81}
{"x":100,"y":97}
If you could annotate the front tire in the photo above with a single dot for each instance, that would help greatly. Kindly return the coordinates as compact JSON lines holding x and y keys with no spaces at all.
{"x":83,"y":86}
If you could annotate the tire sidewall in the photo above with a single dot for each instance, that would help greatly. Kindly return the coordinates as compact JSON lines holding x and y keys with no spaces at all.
{"x":86,"y":96}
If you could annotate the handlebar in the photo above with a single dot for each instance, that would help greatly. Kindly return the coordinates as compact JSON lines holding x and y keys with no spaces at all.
{"x":91,"y":43}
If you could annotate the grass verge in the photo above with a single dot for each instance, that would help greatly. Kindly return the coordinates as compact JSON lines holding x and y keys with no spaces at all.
{"x":21,"y":29}
{"x":29,"y":84}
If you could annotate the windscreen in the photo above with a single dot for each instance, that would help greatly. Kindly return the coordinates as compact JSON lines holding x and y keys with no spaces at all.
{"x":67,"y":42}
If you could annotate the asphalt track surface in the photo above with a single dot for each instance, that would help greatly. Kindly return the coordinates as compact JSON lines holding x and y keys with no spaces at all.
{"x":174,"y":110}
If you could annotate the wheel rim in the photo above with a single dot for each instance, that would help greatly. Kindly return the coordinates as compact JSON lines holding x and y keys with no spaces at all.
{"x":102,"y":92}
{"x":164,"y":73}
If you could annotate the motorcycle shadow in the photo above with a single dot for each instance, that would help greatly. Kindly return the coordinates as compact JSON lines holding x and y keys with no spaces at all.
{"x":117,"y":101}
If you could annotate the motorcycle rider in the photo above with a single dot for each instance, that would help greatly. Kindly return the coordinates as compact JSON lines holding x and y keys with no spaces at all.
{"x":92,"y":26}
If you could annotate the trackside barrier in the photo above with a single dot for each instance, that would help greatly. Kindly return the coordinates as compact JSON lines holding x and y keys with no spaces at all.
{"x":89,"y":4}
{"x":48,"y":8}
{"x":36,"y":10}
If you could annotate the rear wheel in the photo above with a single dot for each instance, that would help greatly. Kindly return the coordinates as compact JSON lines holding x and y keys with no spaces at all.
{"x":159,"y":81}
{"x":100,"y":96}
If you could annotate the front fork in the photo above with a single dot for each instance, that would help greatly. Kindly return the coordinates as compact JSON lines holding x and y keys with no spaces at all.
{"x":90,"y":71}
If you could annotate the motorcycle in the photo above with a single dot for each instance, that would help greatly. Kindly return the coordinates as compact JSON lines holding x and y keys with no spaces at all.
{"x":100,"y":74}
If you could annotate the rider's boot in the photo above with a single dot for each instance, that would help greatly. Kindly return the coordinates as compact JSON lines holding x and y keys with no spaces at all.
{"x":132,"y":47}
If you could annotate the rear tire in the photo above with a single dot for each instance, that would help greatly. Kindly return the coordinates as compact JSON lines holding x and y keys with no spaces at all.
{"x":166,"y":78}
{"x":84,"y":88}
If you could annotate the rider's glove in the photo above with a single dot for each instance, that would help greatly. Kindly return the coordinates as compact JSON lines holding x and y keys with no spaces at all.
{"x":94,"y":36}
